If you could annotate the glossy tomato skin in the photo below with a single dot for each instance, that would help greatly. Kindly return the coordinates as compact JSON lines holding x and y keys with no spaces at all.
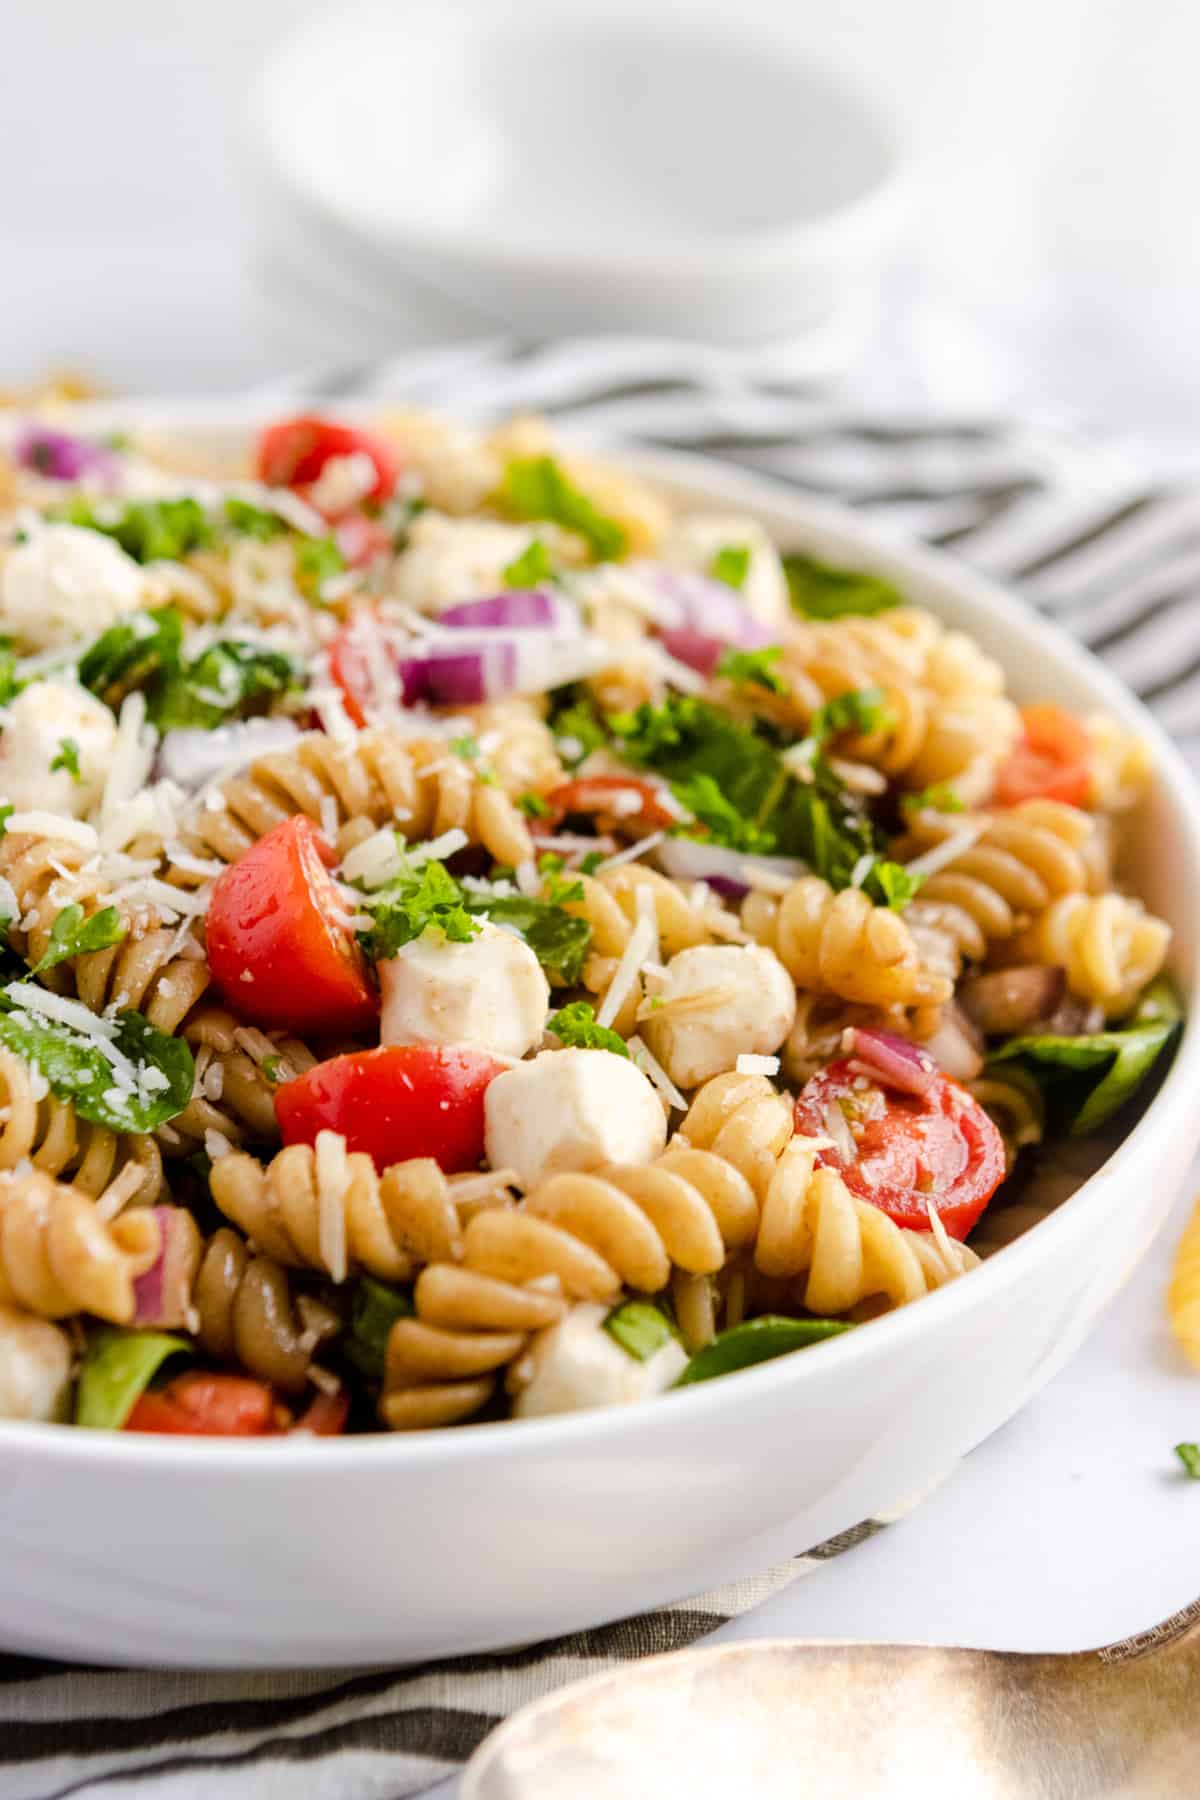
{"x":595,"y":793}
{"x":293,"y":452}
{"x":938,"y":1147}
{"x":348,"y":666}
{"x":1051,"y":762}
{"x":276,"y":944}
{"x":396,"y":1102}
{"x":200,"y":1405}
{"x":325,"y":1415}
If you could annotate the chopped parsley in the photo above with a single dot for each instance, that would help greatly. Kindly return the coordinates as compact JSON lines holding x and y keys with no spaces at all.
{"x":1189,"y":1456}
{"x":272,"y":1068}
{"x":67,"y":757}
{"x":576,"y":727}
{"x":575,"y":1028}
{"x":531,"y":568}
{"x":754,"y":668}
{"x":253,"y":521}
{"x":147,"y":530}
{"x":6,"y":812}
{"x":860,"y":710}
{"x":537,"y":487}
{"x":731,"y":564}
{"x":820,"y":591}
{"x":533,"y":806}
{"x":640,"y":1329}
{"x":723,"y":823}
{"x":10,"y":682}
{"x":422,"y":899}
{"x":892,"y":883}
{"x":466,"y":747}
{"x":318,"y":560}
{"x":941,"y":798}
{"x":231,"y":679}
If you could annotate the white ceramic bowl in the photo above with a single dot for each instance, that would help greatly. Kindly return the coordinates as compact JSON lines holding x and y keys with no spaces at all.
{"x":591,"y":167}
{"x":385,"y":1549}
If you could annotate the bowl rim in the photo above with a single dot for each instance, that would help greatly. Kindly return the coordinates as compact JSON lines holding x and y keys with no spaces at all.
{"x":708,"y":481}
{"x":724,"y":257}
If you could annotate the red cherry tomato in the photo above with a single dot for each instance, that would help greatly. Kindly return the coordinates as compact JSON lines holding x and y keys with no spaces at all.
{"x":399,"y":1101}
{"x":361,"y":539}
{"x":1052,"y":761}
{"x":348,"y":666}
{"x":206,"y":1406}
{"x":293,"y":452}
{"x":277,"y":945}
{"x":912,"y":1150}
{"x":595,"y":794}
{"x":325,"y":1415}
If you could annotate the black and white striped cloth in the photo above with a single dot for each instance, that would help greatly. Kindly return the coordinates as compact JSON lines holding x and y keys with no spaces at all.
{"x":1080,"y":530}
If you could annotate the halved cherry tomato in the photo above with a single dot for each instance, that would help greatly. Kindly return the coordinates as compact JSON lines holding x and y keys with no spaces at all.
{"x":361,"y":539}
{"x":293,"y":452}
{"x":348,"y":666}
{"x":399,"y":1101}
{"x":597,"y":794}
{"x":325,"y":1415}
{"x":277,"y":944}
{"x":1052,"y":761}
{"x":938,"y":1148}
{"x":200,"y":1405}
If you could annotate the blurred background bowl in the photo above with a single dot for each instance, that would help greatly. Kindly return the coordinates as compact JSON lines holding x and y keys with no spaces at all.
{"x":560,"y":169}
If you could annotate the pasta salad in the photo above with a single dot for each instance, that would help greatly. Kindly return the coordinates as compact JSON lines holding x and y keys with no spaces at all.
{"x":480,"y":943}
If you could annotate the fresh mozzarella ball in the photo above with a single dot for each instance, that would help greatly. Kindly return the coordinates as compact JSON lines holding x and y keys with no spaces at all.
{"x":489,"y":993}
{"x":34,"y":727}
{"x":35,"y":1367}
{"x":753,"y":1009}
{"x":65,"y":582}
{"x":576,"y":1365}
{"x":571,"y":1109}
{"x":696,"y":539}
{"x":448,"y":560}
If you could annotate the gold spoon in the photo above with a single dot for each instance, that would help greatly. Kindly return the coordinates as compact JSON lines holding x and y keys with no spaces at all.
{"x":865,"y":1722}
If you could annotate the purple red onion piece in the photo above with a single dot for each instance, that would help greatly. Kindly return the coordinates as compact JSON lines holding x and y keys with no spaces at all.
{"x":163,"y":1295}
{"x":891,"y":1060}
{"x":61,"y":455}
{"x":518,"y":609}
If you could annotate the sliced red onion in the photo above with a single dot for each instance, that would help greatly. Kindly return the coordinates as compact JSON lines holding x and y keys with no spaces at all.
{"x":892,"y":1060}
{"x":956,"y":1046}
{"x":163,"y":1295}
{"x":1009,"y":1000}
{"x":190,"y":757}
{"x":518,"y":609}
{"x":492,"y":667}
{"x":688,"y":600}
{"x":60,"y":454}
{"x":694,"y":648}
{"x":694,"y":859}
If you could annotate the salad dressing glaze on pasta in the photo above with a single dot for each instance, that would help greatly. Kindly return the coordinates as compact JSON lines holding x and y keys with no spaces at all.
{"x":479,"y":945}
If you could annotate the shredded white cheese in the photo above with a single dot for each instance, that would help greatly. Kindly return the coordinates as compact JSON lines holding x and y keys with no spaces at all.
{"x":757,"y":1065}
{"x":632,"y":852}
{"x":948,"y":851}
{"x":625,"y":975}
{"x":650,"y":1066}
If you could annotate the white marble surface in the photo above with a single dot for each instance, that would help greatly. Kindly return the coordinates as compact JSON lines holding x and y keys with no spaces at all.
{"x":1072,"y":1526}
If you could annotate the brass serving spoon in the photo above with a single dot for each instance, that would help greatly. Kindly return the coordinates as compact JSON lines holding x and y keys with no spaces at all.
{"x":864,"y":1722}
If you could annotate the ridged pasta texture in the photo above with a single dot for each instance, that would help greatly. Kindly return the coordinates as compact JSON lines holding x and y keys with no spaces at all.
{"x":60,"y":1256}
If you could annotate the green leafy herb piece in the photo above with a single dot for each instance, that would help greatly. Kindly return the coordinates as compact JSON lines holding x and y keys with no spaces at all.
{"x":228,"y":680}
{"x":118,"y":1366}
{"x":78,"y":1071}
{"x":537,"y":487}
{"x":754,"y":668}
{"x":73,"y":935}
{"x":590,"y":862}
{"x":577,"y":731}
{"x":731,"y":564}
{"x":941,"y":797}
{"x":576,"y":1029}
{"x":148,"y":530}
{"x":253,"y":521}
{"x":820,"y":591}
{"x":423,"y":898}
{"x":861,"y":710}
{"x":272,"y":1068}
{"x":533,"y":806}
{"x":531,"y":568}
{"x":374,"y":1309}
{"x":67,"y":757}
{"x":129,"y":655}
{"x":755,"y":1341}
{"x":1189,"y":1456}
{"x":466,"y":747}
{"x":891,"y":883}
{"x":640,"y":1329}
{"x":1086,"y":1079}
{"x":318,"y":560}
{"x":557,"y":938}
{"x":724,"y":824}
{"x":10,"y":682}
{"x":6,"y":812}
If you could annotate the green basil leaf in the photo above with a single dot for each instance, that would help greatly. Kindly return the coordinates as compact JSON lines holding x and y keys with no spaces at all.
{"x":318,"y":560}
{"x":79,"y":1072}
{"x":374,"y":1309}
{"x":537,"y":487}
{"x":131,"y":654}
{"x":820,"y":591}
{"x":230,"y":679}
{"x":118,"y":1366}
{"x":640,"y":1329}
{"x":253,"y":521}
{"x":1087,"y":1078}
{"x":576,"y":1029}
{"x":531,"y":568}
{"x":557,"y":938}
{"x":731,"y":564}
{"x":754,"y":668}
{"x":755,"y":1341}
{"x":147,"y":530}
{"x":73,"y":935}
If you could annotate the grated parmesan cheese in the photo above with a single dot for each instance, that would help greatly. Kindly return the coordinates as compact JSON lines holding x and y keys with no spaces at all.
{"x":941,"y":854}
{"x":756,"y":1065}
{"x":631,"y":852}
{"x":625,"y":975}
{"x":332,"y":1180}
{"x":51,"y":824}
{"x":650,"y":1066}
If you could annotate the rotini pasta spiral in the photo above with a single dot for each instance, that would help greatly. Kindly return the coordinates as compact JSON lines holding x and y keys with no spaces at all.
{"x":238,"y":1069}
{"x":380,"y":778}
{"x":610,"y":904}
{"x":328,"y":1209}
{"x":1109,"y":945}
{"x":843,"y":944}
{"x":1183,"y":1295}
{"x":248,"y":1315}
{"x":36,"y":1125}
{"x":1014,"y":1100}
{"x":58,"y":1256}
{"x":46,"y":874}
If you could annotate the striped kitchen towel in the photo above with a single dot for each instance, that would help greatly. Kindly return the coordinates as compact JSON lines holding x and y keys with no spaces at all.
{"x":1081,"y":530}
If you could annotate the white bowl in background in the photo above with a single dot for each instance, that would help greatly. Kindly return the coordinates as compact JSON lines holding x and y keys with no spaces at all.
{"x":575,"y":168}
{"x":293,"y":1554}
